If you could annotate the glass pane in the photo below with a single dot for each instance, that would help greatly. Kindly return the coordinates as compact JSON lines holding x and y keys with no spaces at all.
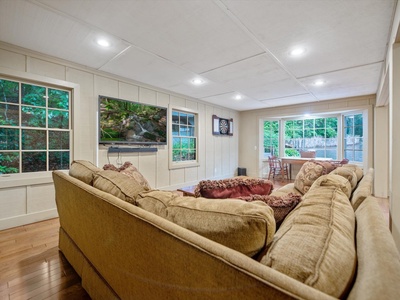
{"x":184,"y":155}
{"x":358,"y":143}
{"x":33,"y":117}
{"x":358,"y":120}
{"x":33,"y":139}
{"x":289,"y":125}
{"x":176,"y":143}
{"x":58,"y":119}
{"x":358,"y":156}
{"x":331,"y":122}
{"x":331,"y":153}
{"x":190,"y":131}
{"x":175,"y":129}
{"x":9,"y":91}
{"x":9,"y":114}
{"x":183,"y":119}
{"x":9,"y":162}
{"x":309,"y":133}
{"x":331,"y":132}
{"x":298,"y":134}
{"x":309,"y":124}
{"x":320,"y":123}
{"x":349,"y":155}
{"x":192,"y":143}
{"x":267,"y":126}
{"x":176,"y":155}
{"x":320,"y":133}
{"x":349,"y":121}
{"x":349,"y":143}
{"x":33,"y":95}
{"x":185,"y":143}
{"x":358,"y":131}
{"x":59,"y":160}
{"x":58,"y":140}
{"x":183,"y":130}
{"x":175,"y":117}
{"x":33,"y":161}
{"x":9,"y":139}
{"x":58,"y":99}
{"x":298,"y":124}
{"x":192,"y":155}
{"x":190,"y":119}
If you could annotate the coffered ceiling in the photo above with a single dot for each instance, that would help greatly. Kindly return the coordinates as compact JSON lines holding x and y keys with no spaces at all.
{"x":236,"y":47}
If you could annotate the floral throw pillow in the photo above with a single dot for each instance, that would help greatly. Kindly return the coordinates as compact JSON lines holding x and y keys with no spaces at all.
{"x":309,"y":172}
{"x":131,"y":171}
{"x":233,"y":188}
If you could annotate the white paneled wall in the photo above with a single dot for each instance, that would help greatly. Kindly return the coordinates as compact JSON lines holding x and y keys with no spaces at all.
{"x":27,"y":200}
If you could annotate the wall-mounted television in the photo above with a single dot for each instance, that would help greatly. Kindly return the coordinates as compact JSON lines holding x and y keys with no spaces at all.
{"x":127,"y":122}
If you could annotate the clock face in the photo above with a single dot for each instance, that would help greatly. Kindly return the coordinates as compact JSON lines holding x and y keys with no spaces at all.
{"x":223,"y":126}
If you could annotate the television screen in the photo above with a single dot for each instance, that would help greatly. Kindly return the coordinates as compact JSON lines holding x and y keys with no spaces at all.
{"x":127,"y":122}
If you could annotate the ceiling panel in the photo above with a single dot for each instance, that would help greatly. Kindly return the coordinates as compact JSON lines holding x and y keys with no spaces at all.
{"x":345,"y":83}
{"x":30,"y":26}
{"x":196,"y":34}
{"x":337,"y":34}
{"x":228,"y":100}
{"x":258,"y":77}
{"x":291,"y":100}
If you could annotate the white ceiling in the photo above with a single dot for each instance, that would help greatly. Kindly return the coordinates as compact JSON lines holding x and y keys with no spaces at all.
{"x":235,"y":46}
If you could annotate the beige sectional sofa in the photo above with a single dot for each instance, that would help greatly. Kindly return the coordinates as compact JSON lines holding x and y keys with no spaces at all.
{"x":127,"y":241}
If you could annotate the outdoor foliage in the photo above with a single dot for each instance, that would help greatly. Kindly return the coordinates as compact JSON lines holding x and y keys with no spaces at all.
{"x":24,"y":146}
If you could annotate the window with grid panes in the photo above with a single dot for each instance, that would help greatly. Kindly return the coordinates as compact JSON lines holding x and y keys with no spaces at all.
{"x":34,"y":127}
{"x":353,"y":137}
{"x":184,"y":136}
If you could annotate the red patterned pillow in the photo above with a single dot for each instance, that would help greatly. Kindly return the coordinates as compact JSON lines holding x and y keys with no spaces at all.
{"x":281,"y":205}
{"x":233,"y":188}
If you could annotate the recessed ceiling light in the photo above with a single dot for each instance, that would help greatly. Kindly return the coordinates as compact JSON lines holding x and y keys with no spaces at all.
{"x":103,"y":42}
{"x":297,"y":51}
{"x":238,"y":97}
{"x":197,"y":81}
{"x":319,"y":82}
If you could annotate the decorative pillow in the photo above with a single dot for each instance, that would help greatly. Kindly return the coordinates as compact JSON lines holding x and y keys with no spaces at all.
{"x":129,"y":170}
{"x":246,"y":227}
{"x":315,"y":244}
{"x":118,"y":185}
{"x":83,"y":170}
{"x":309,"y":172}
{"x":233,"y":188}
{"x":282,"y":205}
{"x":155,"y":201}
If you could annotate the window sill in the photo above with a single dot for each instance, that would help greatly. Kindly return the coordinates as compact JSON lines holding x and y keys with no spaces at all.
{"x":182,"y":165}
{"x":15,"y":180}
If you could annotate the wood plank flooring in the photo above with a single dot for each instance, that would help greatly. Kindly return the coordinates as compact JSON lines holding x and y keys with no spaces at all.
{"x":31,"y":267}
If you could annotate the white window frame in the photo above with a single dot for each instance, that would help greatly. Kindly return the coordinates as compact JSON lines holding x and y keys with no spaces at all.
{"x":183,"y":164}
{"x":22,"y":179}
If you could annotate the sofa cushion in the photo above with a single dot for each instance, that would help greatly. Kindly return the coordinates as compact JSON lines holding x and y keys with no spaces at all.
{"x":363,"y":190}
{"x":282,"y":205}
{"x":359,"y":172}
{"x":286,"y":189}
{"x":309,"y":172}
{"x":83,"y":170}
{"x":155,"y":201}
{"x":347,"y":173}
{"x":246,"y":227}
{"x":233,"y":187}
{"x":334,"y":180}
{"x":129,"y":170}
{"x":118,"y":185}
{"x":315,"y":243}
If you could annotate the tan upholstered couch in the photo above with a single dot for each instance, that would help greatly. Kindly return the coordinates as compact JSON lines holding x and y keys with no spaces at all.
{"x":130,"y":242}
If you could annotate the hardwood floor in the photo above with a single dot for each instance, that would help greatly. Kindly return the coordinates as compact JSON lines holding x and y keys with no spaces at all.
{"x":31,"y":267}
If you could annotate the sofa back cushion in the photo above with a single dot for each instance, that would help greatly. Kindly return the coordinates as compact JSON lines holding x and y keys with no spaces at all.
{"x":119,"y":185}
{"x":233,"y":187}
{"x":315,"y":243}
{"x":359,"y":172}
{"x":347,"y":173}
{"x":83,"y":170}
{"x":363,"y":190}
{"x":244,"y":226}
{"x":334,"y":180}
{"x":309,"y":172}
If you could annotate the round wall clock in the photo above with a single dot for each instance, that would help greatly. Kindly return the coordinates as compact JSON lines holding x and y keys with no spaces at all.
{"x":223,"y":126}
